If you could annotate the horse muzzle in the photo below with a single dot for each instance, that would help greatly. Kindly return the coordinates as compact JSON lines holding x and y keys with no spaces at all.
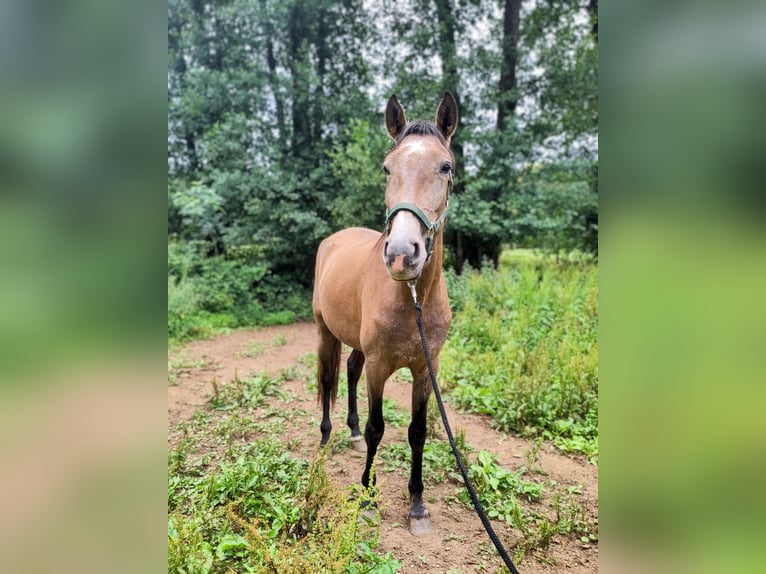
{"x":404,"y":259}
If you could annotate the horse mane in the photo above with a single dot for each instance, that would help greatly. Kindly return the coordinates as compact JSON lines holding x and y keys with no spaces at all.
{"x":421,"y":128}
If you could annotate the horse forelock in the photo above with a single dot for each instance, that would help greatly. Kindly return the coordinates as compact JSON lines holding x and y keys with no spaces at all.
{"x":420,"y":128}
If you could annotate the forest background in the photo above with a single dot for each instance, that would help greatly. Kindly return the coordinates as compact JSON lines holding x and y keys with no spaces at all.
{"x":276,"y":137}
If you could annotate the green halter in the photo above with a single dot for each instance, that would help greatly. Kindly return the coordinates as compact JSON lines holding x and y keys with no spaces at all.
{"x":432,"y":228}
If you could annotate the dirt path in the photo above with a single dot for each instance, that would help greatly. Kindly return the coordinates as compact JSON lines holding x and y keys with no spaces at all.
{"x":458,"y":543}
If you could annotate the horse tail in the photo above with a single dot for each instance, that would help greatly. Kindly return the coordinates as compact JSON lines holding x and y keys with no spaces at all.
{"x":329,"y":366}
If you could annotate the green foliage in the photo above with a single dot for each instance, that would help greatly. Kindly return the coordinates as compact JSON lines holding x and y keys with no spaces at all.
{"x":226,"y":285}
{"x":257,"y":485}
{"x":497,"y":483}
{"x":555,"y":208}
{"x":183,"y":304}
{"x":438,"y":460}
{"x":356,"y":165}
{"x":567,"y":98}
{"x":199,"y":207}
{"x":208,"y":294}
{"x":188,"y":551}
{"x":523,"y":350}
{"x":275,"y":136}
{"x":392,"y":413}
{"x":501,"y":491}
{"x":251,"y":392}
{"x":267,"y":511}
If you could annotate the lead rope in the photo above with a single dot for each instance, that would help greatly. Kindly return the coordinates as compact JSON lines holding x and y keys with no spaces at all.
{"x":474,"y":498}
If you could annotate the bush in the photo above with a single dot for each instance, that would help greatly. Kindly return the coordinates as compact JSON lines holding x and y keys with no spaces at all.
{"x":182,"y":309}
{"x":553,"y":206}
{"x":207,"y":294}
{"x":523,"y":349}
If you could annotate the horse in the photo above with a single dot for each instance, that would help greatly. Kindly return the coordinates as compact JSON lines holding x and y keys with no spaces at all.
{"x":362,"y":294}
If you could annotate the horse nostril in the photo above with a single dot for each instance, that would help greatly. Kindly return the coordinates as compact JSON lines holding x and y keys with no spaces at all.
{"x":385,"y":249}
{"x":417,"y":250}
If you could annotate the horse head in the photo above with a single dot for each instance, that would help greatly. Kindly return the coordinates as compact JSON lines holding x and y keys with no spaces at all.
{"x":419,"y":171}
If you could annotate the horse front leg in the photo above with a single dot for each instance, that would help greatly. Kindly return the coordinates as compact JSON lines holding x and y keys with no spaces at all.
{"x":355,"y":364}
{"x":420,"y":521}
{"x":373,"y":430}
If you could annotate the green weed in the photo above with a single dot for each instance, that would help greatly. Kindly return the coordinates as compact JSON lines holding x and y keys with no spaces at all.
{"x":438,"y":461}
{"x":499,"y":490}
{"x":522,"y":349}
{"x":183,"y":363}
{"x":532,"y":456}
{"x":214,"y":294}
{"x":252,"y":349}
{"x":251,"y":392}
{"x":278,"y":341}
{"x":433,"y":418}
{"x":393,"y":414}
{"x":270,"y":512}
{"x":570,"y":519}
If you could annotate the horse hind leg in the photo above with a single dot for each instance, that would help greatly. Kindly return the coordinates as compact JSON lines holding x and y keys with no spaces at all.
{"x":327,"y":378}
{"x":355,"y":364}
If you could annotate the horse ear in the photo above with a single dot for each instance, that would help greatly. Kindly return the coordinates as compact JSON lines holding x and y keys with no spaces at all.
{"x":446,"y":115}
{"x":395,"y":117}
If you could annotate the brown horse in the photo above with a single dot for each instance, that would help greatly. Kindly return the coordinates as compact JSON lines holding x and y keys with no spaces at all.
{"x":362,"y":296}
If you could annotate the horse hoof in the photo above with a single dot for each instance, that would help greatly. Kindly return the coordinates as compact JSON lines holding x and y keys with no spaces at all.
{"x":358,"y":444}
{"x":420,"y":526}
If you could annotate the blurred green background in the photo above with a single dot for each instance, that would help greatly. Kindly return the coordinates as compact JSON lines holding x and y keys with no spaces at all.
{"x":682,"y":284}
{"x":82,"y":216}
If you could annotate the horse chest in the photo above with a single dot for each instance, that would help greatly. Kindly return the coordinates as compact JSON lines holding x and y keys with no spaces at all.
{"x":395,"y":335}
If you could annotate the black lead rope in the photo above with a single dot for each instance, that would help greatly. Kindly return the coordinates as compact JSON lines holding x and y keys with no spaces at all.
{"x":474,"y":498}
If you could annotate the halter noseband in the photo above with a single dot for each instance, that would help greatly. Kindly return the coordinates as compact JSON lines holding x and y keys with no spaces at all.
{"x":432,"y":228}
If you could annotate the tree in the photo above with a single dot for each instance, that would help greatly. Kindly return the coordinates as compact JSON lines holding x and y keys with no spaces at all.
{"x":275,"y":132}
{"x":507,"y":87}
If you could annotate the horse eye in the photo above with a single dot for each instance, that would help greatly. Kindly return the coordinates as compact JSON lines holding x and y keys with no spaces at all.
{"x":385,"y":170}
{"x":446,"y":167}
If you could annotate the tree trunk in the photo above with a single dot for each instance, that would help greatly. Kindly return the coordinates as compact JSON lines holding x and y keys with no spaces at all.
{"x":450,"y":75}
{"x":506,"y":106}
{"x":298,"y":61}
{"x":271,"y":62}
{"x":451,"y":81}
{"x":322,"y":57}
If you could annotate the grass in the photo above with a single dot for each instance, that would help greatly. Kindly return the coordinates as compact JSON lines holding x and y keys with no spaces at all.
{"x":181,"y":363}
{"x":511,"y":497}
{"x":268,"y":512}
{"x":252,"y":392}
{"x":438,"y":462}
{"x":240,"y":501}
{"x":252,"y":349}
{"x":523,"y":349}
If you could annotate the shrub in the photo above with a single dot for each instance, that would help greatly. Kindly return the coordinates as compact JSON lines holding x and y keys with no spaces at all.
{"x":182,"y":309}
{"x":523,"y":350}
{"x":207,"y":294}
